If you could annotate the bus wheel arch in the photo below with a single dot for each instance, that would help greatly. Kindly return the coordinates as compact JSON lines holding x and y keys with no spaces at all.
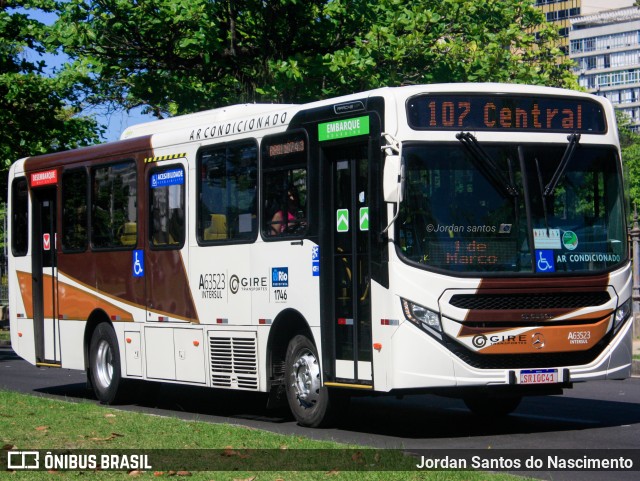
{"x":285,"y":327}
{"x":295,"y":371}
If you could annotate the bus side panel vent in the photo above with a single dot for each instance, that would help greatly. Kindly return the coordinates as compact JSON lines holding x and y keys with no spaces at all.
{"x":234,"y":360}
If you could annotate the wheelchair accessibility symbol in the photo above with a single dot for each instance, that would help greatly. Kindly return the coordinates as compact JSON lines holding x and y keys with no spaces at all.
{"x":545,"y":261}
{"x":137,"y":263}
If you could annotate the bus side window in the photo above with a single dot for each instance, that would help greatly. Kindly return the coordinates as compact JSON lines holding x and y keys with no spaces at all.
{"x":166,"y":204}
{"x":74,"y":211}
{"x":285,"y":202}
{"x":20,"y":218}
{"x":284,"y":185}
{"x":114,"y":215}
{"x":228,"y":184}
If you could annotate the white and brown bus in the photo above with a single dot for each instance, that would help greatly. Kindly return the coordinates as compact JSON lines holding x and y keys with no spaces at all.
{"x":462,"y":239}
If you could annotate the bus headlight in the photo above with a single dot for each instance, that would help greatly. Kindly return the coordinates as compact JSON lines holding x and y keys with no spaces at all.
{"x":422,"y":317}
{"x":621,"y":315}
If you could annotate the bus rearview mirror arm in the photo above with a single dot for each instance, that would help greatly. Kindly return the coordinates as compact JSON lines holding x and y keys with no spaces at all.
{"x":393,"y":176}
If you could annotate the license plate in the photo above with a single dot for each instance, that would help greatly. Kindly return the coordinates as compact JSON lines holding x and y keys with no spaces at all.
{"x":538,"y":376}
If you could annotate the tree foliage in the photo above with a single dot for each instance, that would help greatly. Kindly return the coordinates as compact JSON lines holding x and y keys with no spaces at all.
{"x":36,"y":110}
{"x":630,"y":147}
{"x":178,"y":56}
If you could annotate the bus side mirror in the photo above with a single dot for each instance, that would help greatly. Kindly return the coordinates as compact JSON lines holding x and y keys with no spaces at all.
{"x":393,"y":179}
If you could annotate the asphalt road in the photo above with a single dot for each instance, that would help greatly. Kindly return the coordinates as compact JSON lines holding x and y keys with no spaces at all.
{"x":593,"y":415}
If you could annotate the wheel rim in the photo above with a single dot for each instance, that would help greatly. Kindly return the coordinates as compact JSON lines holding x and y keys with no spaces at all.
{"x":305,"y":378}
{"x":104,"y":364}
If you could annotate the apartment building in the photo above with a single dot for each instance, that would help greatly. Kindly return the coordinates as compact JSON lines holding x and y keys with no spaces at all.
{"x":560,"y":12}
{"x":606,"y":48}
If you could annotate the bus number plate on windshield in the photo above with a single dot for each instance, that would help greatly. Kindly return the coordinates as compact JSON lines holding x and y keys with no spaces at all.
{"x":539,"y":376}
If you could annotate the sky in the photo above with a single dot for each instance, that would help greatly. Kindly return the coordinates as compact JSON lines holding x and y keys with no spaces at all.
{"x":116,"y":122}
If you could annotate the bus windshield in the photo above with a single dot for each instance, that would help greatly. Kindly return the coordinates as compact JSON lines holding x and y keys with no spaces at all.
{"x":512,"y":208}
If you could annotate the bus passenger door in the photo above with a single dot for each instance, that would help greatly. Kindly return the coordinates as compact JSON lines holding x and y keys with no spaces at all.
{"x":350,"y":290}
{"x":45,"y":277}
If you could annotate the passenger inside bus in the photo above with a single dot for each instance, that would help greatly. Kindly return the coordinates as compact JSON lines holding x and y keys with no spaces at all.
{"x":288,"y":220}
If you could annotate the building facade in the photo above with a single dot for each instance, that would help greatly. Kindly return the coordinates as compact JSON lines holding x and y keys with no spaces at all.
{"x":560,"y":13}
{"x":606,"y":49}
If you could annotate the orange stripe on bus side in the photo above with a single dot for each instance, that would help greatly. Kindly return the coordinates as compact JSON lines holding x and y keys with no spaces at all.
{"x":73,"y":303}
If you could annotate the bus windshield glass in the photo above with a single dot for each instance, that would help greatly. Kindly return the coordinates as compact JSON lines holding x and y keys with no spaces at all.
{"x":512,"y":208}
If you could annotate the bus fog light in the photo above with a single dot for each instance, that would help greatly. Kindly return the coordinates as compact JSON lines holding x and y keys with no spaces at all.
{"x":421,"y":316}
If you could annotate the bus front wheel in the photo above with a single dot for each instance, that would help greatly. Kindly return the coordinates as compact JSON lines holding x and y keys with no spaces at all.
{"x":308,"y":400}
{"x":104,"y":358}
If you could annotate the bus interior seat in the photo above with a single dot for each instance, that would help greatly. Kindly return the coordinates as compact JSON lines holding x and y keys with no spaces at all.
{"x":129,"y":234}
{"x":218,"y":228}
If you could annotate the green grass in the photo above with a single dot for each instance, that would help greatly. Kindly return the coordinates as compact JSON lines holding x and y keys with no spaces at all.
{"x":33,"y":422}
{"x":5,"y":335}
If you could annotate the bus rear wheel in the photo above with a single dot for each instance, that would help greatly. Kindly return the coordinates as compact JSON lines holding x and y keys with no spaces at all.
{"x":104,"y":359}
{"x":308,"y":400}
{"x":492,"y":407}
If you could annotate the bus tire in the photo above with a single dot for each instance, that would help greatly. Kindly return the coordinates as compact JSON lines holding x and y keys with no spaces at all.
{"x":308,"y":400}
{"x":492,"y":407}
{"x":104,"y":359}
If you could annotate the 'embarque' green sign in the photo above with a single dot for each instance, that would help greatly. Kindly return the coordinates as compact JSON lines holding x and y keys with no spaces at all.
{"x":341,"y":129}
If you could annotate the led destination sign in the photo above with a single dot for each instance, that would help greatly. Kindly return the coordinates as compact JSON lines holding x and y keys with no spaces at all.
{"x":505,"y":113}
{"x":287,"y":147}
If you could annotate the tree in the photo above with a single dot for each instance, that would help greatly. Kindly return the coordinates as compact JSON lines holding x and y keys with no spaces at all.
{"x":179,"y":56}
{"x":630,"y":147}
{"x":36,"y":110}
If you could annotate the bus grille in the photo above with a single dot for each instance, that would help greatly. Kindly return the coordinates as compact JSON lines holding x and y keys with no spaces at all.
{"x":234,"y":360}
{"x":545,"y":301}
{"x":498,"y":302}
{"x":528,"y":361}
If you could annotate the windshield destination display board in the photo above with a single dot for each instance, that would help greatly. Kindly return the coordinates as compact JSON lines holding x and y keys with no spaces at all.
{"x":523,"y":113}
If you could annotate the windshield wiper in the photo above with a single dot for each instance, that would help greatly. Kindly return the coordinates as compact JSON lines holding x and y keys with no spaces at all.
{"x":544,"y":197}
{"x":486,"y":164}
{"x":562,"y":166}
